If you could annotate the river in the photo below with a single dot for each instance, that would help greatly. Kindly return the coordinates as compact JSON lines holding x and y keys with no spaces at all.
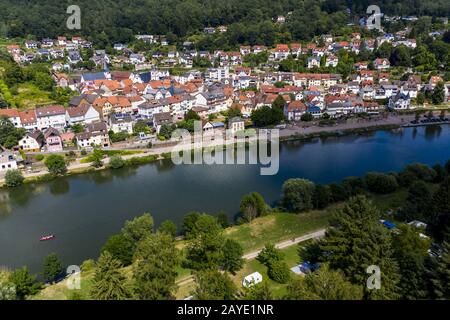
{"x":84,"y":210}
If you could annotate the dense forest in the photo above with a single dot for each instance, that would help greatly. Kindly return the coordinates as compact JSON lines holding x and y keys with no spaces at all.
{"x":249,"y":21}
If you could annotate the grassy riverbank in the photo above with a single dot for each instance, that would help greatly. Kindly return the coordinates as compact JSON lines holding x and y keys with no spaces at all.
{"x":271,"y":228}
{"x":274,"y":228}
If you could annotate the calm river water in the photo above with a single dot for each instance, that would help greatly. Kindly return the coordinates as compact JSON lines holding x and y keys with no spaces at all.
{"x":84,"y":210}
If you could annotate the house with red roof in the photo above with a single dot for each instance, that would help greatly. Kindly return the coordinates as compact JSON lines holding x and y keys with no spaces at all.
{"x":294,"y":110}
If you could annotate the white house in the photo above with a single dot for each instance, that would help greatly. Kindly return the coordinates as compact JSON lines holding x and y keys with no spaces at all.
{"x":121,"y":123}
{"x":313,"y":62}
{"x":7,"y":161}
{"x":51,"y":116}
{"x":332,"y":61}
{"x":82,"y":114}
{"x":236,"y":124}
{"x":13,"y":115}
{"x":252,"y":279}
{"x":400,"y":102}
{"x":32,"y":141}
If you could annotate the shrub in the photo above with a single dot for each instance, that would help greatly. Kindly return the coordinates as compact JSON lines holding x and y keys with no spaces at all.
{"x":13,"y":178}
{"x":88,"y":265}
{"x":307,"y":117}
{"x":116,"y":162}
{"x":39,"y":157}
{"x":278,"y":271}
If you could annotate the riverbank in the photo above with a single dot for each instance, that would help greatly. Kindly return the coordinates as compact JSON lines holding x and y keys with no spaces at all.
{"x":282,"y":228}
{"x":291,"y":133}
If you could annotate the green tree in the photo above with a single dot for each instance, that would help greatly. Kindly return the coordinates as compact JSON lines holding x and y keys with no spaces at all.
{"x":56,"y":164}
{"x":120,"y":247}
{"x":155,"y":272}
{"x":52,"y":268}
{"x":7,"y":291}
{"x":191,"y":115}
{"x":189,"y":221}
{"x":213,"y":285}
{"x":222,"y":219}
{"x":270,"y":254}
{"x":400,"y":56}
{"x":298,"y":195}
{"x":204,"y":250}
{"x":168,"y":227}
{"x":324,"y":284}
{"x":138,"y":228}
{"x":166,"y":131}
{"x":25,"y":284}
{"x":358,"y":240}
{"x":420,"y":100}
{"x":141,"y":126}
{"x":322,"y":196}
{"x":307,"y":117}
{"x":416,"y":171}
{"x":438,"y":95}
{"x":439,"y":224}
{"x":232,"y":260}
{"x":109,"y":283}
{"x":439,"y":274}
{"x":380,"y":183}
{"x":260,"y":291}
{"x":77,"y":128}
{"x":279,"y":103}
{"x":9,"y":134}
{"x":417,"y":203}
{"x":13,"y":178}
{"x":411,"y":252}
{"x":267,"y":116}
{"x":252,"y":206}
{"x":97,"y":158}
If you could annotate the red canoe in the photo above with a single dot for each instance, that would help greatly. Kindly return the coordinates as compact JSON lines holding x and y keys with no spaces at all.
{"x":46,"y":238}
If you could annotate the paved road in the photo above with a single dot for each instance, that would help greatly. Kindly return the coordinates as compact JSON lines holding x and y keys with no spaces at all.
{"x":289,"y":243}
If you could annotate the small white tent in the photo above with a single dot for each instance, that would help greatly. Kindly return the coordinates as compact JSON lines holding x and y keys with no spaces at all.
{"x":252,"y":279}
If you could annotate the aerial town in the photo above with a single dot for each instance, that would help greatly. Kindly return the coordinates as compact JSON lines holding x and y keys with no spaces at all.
{"x":141,"y":93}
{"x":243,"y":150}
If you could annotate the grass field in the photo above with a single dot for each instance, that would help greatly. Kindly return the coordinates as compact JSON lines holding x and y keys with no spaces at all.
{"x":30,"y":96}
{"x":278,"y":227}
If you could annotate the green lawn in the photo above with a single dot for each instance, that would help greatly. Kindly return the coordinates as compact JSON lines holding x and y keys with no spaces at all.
{"x":278,"y":227}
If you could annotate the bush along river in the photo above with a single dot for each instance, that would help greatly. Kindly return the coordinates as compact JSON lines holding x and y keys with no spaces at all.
{"x":82,"y":211}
